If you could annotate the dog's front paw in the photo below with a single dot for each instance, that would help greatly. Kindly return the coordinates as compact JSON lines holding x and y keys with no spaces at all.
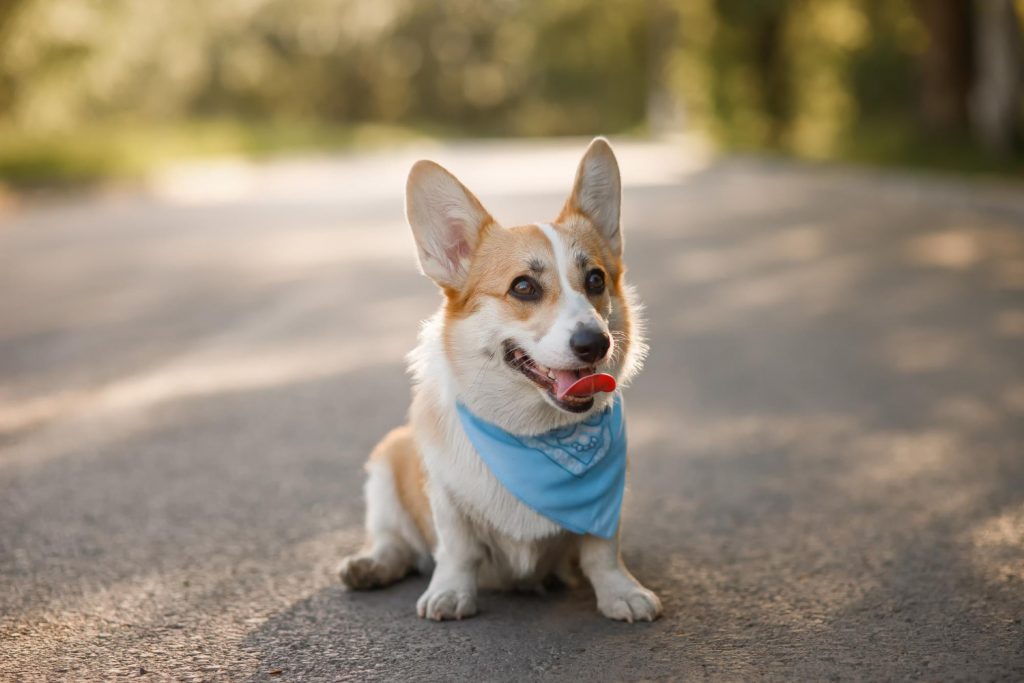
{"x":635,"y":604}
{"x":446,"y":603}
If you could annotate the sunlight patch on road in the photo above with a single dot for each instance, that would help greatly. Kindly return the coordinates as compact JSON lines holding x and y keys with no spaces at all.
{"x":961,"y":248}
{"x":997,"y":545}
{"x":798,"y":244}
{"x":298,"y":251}
{"x":920,"y":350}
{"x":1013,"y":398}
{"x":231,"y":371}
{"x":805,"y":289}
{"x":954,"y":249}
{"x":890,"y":457}
{"x":1010,"y":323}
{"x":1009,"y":274}
{"x":246,"y":357}
{"x":496,"y":168}
{"x":967,"y":412}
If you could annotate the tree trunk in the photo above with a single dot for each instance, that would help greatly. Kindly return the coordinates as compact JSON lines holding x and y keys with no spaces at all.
{"x":995,"y":98}
{"x":947,"y":64}
{"x":769,"y":46}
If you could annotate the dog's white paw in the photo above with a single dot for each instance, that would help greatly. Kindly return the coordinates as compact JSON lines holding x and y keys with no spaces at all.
{"x":634,"y":604}
{"x":446,"y":603}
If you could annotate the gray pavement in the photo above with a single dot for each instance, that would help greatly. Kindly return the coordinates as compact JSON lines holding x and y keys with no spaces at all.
{"x":827,"y":475}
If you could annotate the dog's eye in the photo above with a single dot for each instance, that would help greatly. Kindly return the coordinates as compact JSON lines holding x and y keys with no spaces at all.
{"x":525,"y":289}
{"x":595,"y":282}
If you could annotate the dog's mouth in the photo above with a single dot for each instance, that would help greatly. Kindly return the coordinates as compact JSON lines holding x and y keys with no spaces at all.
{"x":570,"y":389}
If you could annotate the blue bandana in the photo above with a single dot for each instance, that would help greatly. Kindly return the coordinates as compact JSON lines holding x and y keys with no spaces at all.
{"x":573,"y":475}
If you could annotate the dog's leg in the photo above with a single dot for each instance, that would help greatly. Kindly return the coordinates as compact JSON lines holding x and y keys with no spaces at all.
{"x":394,"y":544}
{"x":453,"y":586}
{"x":619,"y":595}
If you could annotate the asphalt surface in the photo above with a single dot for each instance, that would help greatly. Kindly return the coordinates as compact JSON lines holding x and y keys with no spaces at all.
{"x":827,"y":474}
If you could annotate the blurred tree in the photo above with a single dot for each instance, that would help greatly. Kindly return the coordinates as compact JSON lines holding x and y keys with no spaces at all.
{"x":512,"y":66}
{"x":820,"y":78}
{"x":866,"y":78}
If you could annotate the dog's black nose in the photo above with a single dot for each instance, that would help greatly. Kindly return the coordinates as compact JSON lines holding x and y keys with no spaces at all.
{"x":589,"y":345}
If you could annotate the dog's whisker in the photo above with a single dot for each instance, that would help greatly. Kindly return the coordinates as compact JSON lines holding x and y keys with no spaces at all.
{"x":483,"y":367}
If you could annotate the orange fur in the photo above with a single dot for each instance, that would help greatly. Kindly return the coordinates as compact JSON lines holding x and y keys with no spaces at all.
{"x":398,"y":450}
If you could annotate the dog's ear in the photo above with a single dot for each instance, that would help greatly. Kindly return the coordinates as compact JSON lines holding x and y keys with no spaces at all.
{"x":446,"y":220}
{"x":597,"y":192}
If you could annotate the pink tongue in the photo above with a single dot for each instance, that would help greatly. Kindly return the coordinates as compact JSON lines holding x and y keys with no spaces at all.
{"x":566,"y":384}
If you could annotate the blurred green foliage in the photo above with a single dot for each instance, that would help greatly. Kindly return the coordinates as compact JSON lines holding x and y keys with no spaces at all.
{"x":826,"y":79}
{"x":796,"y":75}
{"x":79,"y":75}
{"x":513,"y":67}
{"x":108,"y":87}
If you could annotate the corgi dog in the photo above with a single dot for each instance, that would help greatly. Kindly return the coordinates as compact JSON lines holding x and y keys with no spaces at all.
{"x":511,"y":468}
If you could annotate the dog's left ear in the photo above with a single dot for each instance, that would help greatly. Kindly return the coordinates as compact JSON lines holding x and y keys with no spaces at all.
{"x":446,"y":220}
{"x":597,"y":192}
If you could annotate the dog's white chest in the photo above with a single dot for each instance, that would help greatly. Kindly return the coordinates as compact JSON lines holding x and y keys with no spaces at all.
{"x":475,"y":489}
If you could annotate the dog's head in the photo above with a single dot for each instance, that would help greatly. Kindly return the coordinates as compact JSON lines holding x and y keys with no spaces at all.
{"x":537,"y":323}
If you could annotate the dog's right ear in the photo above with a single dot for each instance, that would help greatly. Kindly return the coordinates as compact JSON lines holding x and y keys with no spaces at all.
{"x":446,"y":220}
{"x":597,"y":193}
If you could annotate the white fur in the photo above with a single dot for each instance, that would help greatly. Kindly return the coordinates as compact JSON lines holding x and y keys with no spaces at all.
{"x":387,"y":522}
{"x":574,"y":310}
{"x":394,"y":544}
{"x":454,"y":463}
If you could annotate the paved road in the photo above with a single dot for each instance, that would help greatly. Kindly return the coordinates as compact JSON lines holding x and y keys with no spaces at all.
{"x":828,"y":441}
